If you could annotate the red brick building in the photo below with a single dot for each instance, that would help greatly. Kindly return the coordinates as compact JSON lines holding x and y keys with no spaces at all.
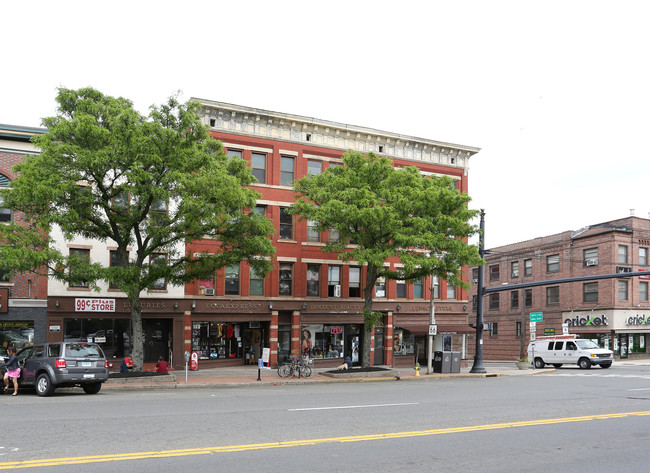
{"x":23,"y":296}
{"x":311,"y":300}
{"x":613,"y":312}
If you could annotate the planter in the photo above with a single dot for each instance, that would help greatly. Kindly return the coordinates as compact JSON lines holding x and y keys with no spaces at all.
{"x":522,"y":365}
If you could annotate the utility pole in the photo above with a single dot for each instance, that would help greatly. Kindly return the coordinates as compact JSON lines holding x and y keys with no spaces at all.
{"x":478,"y":355}
{"x":432,"y":321}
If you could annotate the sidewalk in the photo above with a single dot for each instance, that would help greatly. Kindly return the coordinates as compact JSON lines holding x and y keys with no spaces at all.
{"x":248,"y":376}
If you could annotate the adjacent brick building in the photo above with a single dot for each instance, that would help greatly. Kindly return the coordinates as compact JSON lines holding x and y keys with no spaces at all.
{"x":613,"y":312}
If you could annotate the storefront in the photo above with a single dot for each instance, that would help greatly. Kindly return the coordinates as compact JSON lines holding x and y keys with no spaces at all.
{"x":624,"y":331}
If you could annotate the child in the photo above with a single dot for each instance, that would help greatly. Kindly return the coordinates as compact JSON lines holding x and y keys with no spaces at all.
{"x":161,"y":366}
{"x":13,"y":370}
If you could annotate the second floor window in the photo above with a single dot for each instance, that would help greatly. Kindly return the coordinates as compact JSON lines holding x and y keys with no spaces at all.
{"x":528,"y":297}
{"x":622,"y":291}
{"x":232,"y":279}
{"x":312,"y":233}
{"x":314,"y":167}
{"x":553,"y":295}
{"x":5,"y":213}
{"x":643,"y":256}
{"x":115,"y":262}
{"x":313,"y":272}
{"x":514,"y":269}
{"x":400,"y":290}
{"x":435,"y":287}
{"x":494,"y":301}
{"x":286,"y":224}
{"x":355,"y":282}
{"x":286,"y":171}
{"x":258,"y":167}
{"x":494,"y":272}
{"x":83,"y":255}
{"x":418,"y":286}
{"x":552,"y":263}
{"x":158,"y":259}
{"x":643,"y":291}
{"x":590,"y":256}
{"x":622,"y":254}
{"x":514,"y":299}
{"x":451,"y":291}
{"x":528,"y":267}
{"x":286,"y":279}
{"x":256,"y":283}
{"x":590,"y":292}
{"x":380,"y":288}
{"x":333,"y":280}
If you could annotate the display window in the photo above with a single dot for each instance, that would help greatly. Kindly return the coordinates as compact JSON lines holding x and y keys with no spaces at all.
{"x":17,"y":334}
{"x":322,"y":341}
{"x":113,"y":335}
{"x":403,"y":342}
{"x":215,"y":340}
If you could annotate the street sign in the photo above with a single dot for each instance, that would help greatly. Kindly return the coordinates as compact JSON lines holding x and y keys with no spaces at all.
{"x":536,"y":316}
{"x":433,"y":330}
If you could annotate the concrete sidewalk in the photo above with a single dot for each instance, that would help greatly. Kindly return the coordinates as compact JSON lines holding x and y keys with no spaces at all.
{"x":248,"y":376}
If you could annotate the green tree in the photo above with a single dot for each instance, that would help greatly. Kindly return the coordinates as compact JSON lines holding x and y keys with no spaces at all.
{"x":147,"y":185}
{"x":387,"y":212}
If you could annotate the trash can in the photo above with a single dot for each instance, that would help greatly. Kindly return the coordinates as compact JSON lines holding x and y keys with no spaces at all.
{"x":446,"y":362}
{"x":437,"y":362}
{"x":455,"y":362}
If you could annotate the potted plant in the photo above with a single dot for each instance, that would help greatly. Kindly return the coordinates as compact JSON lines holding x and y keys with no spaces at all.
{"x":523,"y":363}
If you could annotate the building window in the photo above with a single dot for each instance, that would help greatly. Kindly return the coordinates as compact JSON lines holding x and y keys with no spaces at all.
{"x":314,"y":167}
{"x":235,"y":153}
{"x":475,"y":275}
{"x":643,"y":291}
{"x":494,"y":329}
{"x":494,"y":272}
{"x":553,"y":295}
{"x":81,"y":256}
{"x":258,"y":166}
{"x":232,"y":279}
{"x":286,"y":171}
{"x":380,"y":288}
{"x":333,"y":280}
{"x":120,"y":201}
{"x":494,"y":301}
{"x":514,"y":269}
{"x":528,"y":297}
{"x":622,"y":290}
{"x":312,"y":233}
{"x":590,"y":292}
{"x":355,"y":282}
{"x":286,"y":224}
{"x":451,"y":291}
{"x":474,"y":302}
{"x":115,"y":262}
{"x":590,"y":256}
{"x":158,"y":259}
{"x":518,"y":330}
{"x":5,"y":213}
{"x":552,"y":263}
{"x":334,"y":235}
{"x":643,"y":257}
{"x":259,"y":210}
{"x":514,"y":299}
{"x":400,"y":289}
{"x":256,"y":282}
{"x":436,"y":287}
{"x":286,"y":279}
{"x":528,"y":267}
{"x":313,"y":271}
{"x":4,"y":275}
{"x":418,"y":286}
{"x":622,"y":254}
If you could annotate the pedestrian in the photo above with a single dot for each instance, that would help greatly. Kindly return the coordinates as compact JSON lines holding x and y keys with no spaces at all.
{"x":13,"y":370}
{"x":161,"y":366}
{"x":127,"y":364}
{"x":347,"y":364}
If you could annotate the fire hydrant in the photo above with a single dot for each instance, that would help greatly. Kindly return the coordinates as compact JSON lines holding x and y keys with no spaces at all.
{"x":417,"y":369}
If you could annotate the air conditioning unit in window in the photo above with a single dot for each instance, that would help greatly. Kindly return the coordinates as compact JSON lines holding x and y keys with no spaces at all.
{"x":591,"y":262}
{"x":208,"y":292}
{"x":475,"y":280}
{"x":337,"y":290}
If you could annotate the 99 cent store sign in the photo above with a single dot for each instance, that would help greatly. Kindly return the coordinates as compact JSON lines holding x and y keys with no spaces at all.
{"x":94,"y":305}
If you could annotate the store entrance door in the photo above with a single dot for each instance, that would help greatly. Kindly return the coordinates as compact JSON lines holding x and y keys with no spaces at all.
{"x":379,"y":346}
{"x":157,"y":339}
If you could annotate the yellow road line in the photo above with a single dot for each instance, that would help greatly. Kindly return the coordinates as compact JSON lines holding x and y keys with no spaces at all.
{"x":301,"y":443}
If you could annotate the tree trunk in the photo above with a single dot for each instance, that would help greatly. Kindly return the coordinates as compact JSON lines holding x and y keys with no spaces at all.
{"x":136,"y":332}
{"x":371,"y":279}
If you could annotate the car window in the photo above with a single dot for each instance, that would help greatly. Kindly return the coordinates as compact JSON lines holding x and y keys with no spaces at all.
{"x":587,"y":344}
{"x":24,"y":353}
{"x":571,"y":346}
{"x":550,"y":345}
{"x":558,"y":345}
{"x":38,"y":352}
{"x":82,"y":350}
{"x":54,"y":350}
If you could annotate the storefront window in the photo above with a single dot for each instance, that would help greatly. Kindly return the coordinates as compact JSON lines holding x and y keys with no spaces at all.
{"x":330,"y":341}
{"x":113,"y":335}
{"x":403,"y":342}
{"x":17,"y":334}
{"x":217,"y":340}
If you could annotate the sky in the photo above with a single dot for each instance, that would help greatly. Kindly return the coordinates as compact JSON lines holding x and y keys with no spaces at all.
{"x":555,"y":93}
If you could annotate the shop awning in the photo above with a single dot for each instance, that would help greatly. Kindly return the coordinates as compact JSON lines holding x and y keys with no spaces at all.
{"x":421,"y":329}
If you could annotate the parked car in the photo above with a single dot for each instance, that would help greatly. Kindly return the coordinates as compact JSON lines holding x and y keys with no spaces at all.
{"x":568,"y":349}
{"x":63,"y":364}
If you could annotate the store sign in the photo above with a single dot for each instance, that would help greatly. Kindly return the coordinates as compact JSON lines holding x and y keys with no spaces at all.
{"x":334,"y":330}
{"x":586,"y":321}
{"x":94,"y":305}
{"x":638,"y":320}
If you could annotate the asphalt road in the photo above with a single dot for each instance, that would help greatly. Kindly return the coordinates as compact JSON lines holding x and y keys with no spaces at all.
{"x":586,"y":420}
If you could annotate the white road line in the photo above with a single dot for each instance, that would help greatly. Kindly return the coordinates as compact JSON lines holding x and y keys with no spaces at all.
{"x":639,"y":389}
{"x":354,"y":407}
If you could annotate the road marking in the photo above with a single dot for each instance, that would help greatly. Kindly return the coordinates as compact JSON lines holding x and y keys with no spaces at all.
{"x":353,"y":407}
{"x":306,"y":442}
{"x":639,"y":389}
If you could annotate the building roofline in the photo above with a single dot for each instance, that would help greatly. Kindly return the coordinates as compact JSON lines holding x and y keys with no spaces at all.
{"x":19,"y":133}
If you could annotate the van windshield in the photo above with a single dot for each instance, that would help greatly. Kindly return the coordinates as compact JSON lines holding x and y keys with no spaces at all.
{"x":586,"y":344}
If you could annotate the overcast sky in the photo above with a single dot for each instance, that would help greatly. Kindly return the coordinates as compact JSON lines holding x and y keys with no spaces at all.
{"x":556,"y":93}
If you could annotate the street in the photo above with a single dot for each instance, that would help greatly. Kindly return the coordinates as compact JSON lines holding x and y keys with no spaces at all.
{"x":570,"y":419}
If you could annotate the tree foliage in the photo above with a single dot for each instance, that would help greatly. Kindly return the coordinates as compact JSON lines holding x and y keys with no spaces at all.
{"x":146,"y":185}
{"x":382,"y":212}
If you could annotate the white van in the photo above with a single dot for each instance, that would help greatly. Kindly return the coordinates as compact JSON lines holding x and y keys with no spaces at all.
{"x":568,"y":349}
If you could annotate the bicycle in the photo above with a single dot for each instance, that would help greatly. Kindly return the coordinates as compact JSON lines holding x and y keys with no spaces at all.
{"x":300,"y":366}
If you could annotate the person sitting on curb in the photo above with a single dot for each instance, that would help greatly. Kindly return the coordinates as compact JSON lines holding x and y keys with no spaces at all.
{"x":161,"y":366}
{"x":127,"y":364}
{"x":347,"y":364}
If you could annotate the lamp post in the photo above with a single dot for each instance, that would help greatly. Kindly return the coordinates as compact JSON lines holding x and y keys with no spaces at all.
{"x":478,"y":355}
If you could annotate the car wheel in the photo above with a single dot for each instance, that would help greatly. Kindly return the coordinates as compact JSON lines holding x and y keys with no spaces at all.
{"x":44,"y":385}
{"x":605,"y":365}
{"x":92,"y":388}
{"x":557,"y":365}
{"x":584,"y":363}
{"x":539,"y":363}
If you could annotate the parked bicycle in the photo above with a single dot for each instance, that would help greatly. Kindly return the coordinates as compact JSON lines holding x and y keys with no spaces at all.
{"x":299,"y":366}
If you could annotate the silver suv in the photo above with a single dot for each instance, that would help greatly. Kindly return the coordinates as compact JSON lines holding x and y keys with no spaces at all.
{"x":63,"y":364}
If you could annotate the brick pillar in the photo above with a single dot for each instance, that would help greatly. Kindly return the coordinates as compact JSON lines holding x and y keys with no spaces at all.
{"x":187,"y":331}
{"x":388,"y":339}
{"x":372,"y":347}
{"x":295,"y":333}
{"x":273,"y":339}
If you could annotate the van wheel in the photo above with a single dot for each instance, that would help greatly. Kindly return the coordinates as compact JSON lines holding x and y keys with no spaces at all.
{"x":92,"y":388}
{"x":539,"y":363}
{"x":584,"y":363}
{"x":44,"y":385}
{"x":605,"y":365}
{"x":557,"y":365}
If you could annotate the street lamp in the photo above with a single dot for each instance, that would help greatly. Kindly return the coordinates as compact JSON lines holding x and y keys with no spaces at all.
{"x":478,"y":355}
